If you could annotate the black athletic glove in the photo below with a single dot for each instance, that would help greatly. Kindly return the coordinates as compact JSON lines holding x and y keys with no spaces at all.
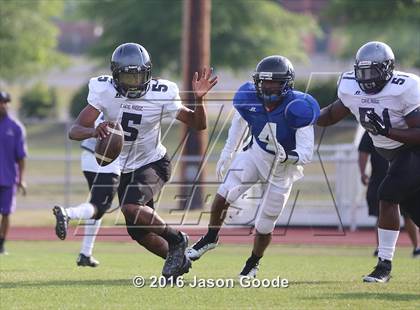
{"x":376,"y":124}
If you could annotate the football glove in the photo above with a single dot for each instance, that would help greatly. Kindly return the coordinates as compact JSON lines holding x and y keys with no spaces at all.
{"x":285,"y":157}
{"x":222,"y":165}
{"x":376,"y":125}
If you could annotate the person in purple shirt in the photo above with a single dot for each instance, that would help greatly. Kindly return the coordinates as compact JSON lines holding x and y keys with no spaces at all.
{"x":12,"y":164}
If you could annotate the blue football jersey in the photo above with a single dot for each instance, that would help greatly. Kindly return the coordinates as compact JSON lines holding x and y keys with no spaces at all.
{"x":264,"y":125}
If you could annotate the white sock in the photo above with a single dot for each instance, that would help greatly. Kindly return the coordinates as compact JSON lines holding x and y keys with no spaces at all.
{"x":91,"y":230}
{"x":387,"y":241}
{"x":83,"y":211}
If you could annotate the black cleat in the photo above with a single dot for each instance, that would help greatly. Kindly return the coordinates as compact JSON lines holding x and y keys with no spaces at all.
{"x":61,"y":222}
{"x":249,"y":271}
{"x":177,"y":263}
{"x":381,"y":273}
{"x":416,"y":253}
{"x":84,"y":261}
{"x":3,"y":251}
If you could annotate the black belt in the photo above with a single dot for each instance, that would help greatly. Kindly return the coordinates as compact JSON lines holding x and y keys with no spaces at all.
{"x":87,"y":149}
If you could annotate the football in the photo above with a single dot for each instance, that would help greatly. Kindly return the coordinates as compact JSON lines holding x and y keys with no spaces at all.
{"x":109,"y":148}
{"x":302,"y":112}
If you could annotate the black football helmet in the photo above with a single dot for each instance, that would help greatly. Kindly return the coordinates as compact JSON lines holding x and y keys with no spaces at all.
{"x":274,"y":68}
{"x":374,"y":66}
{"x":131,"y":69}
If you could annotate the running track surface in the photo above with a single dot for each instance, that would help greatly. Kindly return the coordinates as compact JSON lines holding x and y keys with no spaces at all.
{"x":291,"y":235}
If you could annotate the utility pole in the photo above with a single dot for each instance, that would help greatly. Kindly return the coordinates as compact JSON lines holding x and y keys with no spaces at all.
{"x":195,"y":56}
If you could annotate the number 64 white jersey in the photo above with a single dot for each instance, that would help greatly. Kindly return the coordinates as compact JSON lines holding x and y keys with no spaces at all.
{"x":399,"y":97}
{"x":140,"y":118}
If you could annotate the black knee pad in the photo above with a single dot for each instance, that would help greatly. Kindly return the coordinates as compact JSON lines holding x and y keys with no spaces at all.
{"x":103,"y":189}
{"x":136,"y":233}
{"x":135,"y":194}
{"x":101,"y":209}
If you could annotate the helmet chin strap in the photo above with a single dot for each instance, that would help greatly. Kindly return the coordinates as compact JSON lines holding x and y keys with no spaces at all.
{"x":374,"y":87}
{"x":270,"y":99}
{"x":135,"y":94}
{"x":274,"y":98}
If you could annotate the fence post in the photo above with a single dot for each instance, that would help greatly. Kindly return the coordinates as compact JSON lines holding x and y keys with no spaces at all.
{"x":67,"y":171}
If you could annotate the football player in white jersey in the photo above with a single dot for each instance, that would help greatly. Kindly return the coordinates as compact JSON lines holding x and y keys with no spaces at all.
{"x":139,"y":102}
{"x":103,"y":184}
{"x":387,"y":105}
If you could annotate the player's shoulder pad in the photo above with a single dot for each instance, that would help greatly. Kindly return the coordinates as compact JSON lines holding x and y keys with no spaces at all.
{"x":349,"y":75}
{"x":347,"y":83}
{"x":100,"y":84}
{"x":301,"y":110}
{"x":301,"y":95}
{"x":164,"y":88}
{"x":245,"y":95}
{"x":410,"y":78}
{"x":400,"y":83}
{"x":247,"y":87}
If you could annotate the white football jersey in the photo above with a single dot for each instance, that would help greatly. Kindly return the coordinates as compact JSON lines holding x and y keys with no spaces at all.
{"x":140,"y":118}
{"x":399,"y":97}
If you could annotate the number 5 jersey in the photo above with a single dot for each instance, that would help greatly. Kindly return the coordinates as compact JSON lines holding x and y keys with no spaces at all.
{"x":140,"y":118}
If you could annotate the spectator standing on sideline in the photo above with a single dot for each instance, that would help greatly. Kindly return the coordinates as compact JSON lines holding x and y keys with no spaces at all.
{"x":12,"y":165}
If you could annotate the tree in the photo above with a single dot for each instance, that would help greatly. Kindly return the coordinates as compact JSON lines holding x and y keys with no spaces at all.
{"x":395,"y":22}
{"x":78,"y":101}
{"x":242,"y":31}
{"x":39,"y":102}
{"x":28,"y":37}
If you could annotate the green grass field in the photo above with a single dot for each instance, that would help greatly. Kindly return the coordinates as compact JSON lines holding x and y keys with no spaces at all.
{"x":41,"y":275}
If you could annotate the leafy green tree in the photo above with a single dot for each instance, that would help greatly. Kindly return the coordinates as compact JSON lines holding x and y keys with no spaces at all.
{"x":28,"y":37}
{"x":78,"y":101}
{"x":39,"y":102}
{"x":325,"y":92}
{"x":242,"y":31}
{"x":395,"y":22}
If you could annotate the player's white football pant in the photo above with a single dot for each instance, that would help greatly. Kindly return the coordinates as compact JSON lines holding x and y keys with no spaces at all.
{"x":244,"y":172}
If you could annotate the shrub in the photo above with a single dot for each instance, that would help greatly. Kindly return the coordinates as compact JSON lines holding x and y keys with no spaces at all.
{"x":39,"y":102}
{"x":79,"y":101}
{"x":324,"y":92}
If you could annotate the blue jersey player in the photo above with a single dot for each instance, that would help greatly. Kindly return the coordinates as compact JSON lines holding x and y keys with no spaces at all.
{"x":280,"y":120}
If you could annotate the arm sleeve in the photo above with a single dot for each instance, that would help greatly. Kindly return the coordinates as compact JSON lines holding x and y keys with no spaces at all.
{"x":343,"y":90}
{"x":366,"y":144}
{"x":411,"y":98}
{"x":20,"y":150}
{"x":305,"y":144}
{"x":172,"y":108}
{"x":236,"y":134}
{"x":93,"y":97}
